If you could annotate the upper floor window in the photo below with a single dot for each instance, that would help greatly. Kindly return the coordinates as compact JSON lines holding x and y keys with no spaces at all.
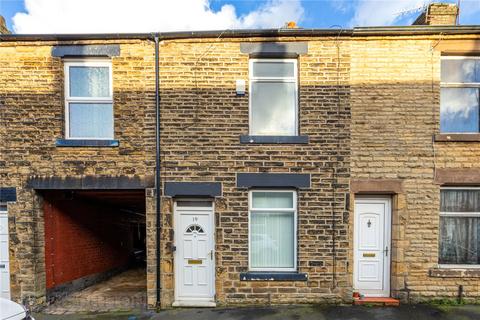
{"x":459,"y":226}
{"x":88,"y":99}
{"x":459,"y":98}
{"x":272,"y":230}
{"x":273,"y":97}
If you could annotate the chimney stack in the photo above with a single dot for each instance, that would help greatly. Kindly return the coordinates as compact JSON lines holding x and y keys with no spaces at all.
{"x":437,"y":14}
{"x":3,"y":26}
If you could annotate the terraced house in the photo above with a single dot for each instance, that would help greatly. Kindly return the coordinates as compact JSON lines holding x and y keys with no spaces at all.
{"x":243,"y":166}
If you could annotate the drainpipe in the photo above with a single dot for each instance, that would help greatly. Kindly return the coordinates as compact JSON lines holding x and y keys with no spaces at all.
{"x":157,"y":171}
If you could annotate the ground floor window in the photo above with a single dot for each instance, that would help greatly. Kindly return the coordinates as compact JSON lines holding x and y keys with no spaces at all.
{"x":272,"y":230}
{"x":459,"y":226}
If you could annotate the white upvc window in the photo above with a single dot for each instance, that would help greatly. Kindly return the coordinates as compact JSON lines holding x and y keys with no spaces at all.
{"x":88,"y":99}
{"x":272,"y":230}
{"x":460,"y":94}
{"x":459,"y":244}
{"x":273,"y":97}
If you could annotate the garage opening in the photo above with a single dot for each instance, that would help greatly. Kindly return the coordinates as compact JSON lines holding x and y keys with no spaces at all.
{"x":95,"y":250}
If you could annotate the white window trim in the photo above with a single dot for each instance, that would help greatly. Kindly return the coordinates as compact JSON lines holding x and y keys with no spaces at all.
{"x":459,"y":266}
{"x":459,"y":214}
{"x":459,"y":84}
{"x":294,"y":209}
{"x":68,"y":99}
{"x":253,"y":79}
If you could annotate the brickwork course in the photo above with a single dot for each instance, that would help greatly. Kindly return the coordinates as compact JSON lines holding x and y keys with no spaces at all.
{"x":369,"y":104}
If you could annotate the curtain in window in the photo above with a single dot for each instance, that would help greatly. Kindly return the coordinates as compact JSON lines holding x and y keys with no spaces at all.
{"x":460,"y":200}
{"x":266,"y":199}
{"x":459,"y":240}
{"x":459,"y":235}
{"x":272,"y":240}
{"x":89,"y":82}
{"x":91,"y":120}
{"x":273,"y":108}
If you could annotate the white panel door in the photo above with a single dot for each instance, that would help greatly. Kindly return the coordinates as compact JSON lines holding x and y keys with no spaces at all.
{"x":194,"y":257}
{"x":372,"y":247}
{"x":4,"y":259}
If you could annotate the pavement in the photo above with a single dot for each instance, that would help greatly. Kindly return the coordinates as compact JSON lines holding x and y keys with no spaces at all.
{"x":404,"y":312}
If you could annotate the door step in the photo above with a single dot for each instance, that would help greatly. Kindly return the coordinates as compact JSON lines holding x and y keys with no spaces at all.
{"x":390,"y":302}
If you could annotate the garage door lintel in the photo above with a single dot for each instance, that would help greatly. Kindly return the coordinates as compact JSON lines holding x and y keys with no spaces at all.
{"x":90,"y":183}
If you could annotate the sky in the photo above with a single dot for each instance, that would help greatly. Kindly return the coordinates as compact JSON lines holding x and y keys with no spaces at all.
{"x":104,"y":16}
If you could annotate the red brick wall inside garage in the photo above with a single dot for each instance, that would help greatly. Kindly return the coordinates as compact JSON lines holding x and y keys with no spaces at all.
{"x":82,"y":239}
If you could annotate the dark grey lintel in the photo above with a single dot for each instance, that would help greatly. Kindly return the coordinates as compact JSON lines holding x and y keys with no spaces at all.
{"x":90,"y":183}
{"x":273,"y":180}
{"x":8,"y":194}
{"x":273,"y":276}
{"x":86,"y":143}
{"x":273,"y":139}
{"x":106,"y":50}
{"x":274,"y":49}
{"x":193,"y":189}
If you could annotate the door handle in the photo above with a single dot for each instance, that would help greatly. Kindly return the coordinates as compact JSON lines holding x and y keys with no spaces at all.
{"x":211,"y":254}
{"x":386,"y":251}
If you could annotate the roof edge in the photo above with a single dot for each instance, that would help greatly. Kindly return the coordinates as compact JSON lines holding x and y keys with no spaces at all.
{"x":243,"y":33}
{"x":416,"y":30}
{"x":248,"y":33}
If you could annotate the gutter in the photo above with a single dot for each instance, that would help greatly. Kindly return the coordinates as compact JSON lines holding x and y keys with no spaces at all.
{"x":157,"y":173}
{"x":415,"y":30}
{"x":244,"y":33}
{"x":250,"y":33}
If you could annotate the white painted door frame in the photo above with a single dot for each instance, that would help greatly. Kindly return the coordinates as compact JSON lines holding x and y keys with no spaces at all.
{"x":183,"y":299}
{"x":384,"y":248}
{"x":4,"y":254}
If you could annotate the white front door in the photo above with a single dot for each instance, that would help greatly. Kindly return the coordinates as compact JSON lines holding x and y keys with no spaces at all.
{"x":194,"y":255}
{"x":372,"y":247}
{"x":4,"y":259}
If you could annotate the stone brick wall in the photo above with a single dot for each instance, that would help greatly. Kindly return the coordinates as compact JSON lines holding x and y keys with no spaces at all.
{"x":32,"y":118}
{"x":202,"y":120}
{"x":438,"y":14}
{"x":370,"y":107}
{"x":83,"y":239}
{"x":3,"y":26}
{"x":395,"y":113}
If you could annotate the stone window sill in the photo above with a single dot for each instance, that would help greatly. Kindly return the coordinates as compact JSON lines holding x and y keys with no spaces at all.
{"x":247,"y":139}
{"x":452,"y":272}
{"x":86,"y":143}
{"x":457,"y":137}
{"x":273,"y":276}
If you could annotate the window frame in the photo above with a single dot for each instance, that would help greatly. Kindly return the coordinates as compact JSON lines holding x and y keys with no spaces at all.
{"x":253,"y":80}
{"x":457,"y":215}
{"x":458,"y":85}
{"x":295,"y":223}
{"x":101,"y":100}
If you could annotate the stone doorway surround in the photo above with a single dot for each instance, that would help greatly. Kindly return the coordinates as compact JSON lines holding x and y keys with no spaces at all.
{"x":395,"y":189}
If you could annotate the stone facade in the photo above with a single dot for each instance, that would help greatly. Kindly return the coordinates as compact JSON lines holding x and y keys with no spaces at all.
{"x":3,"y":26}
{"x":395,"y":104}
{"x":369,"y":105}
{"x":32,"y":118}
{"x":438,"y":14}
{"x":202,"y":121}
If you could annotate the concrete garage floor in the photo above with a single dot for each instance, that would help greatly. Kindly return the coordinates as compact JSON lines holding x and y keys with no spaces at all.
{"x":125,"y":291}
{"x":404,"y":312}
